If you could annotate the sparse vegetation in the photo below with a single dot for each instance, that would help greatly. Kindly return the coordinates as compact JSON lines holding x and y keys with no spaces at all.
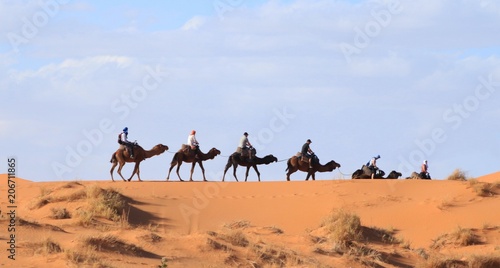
{"x":105,"y":203}
{"x":241,"y":224}
{"x":460,"y":237}
{"x":343,"y":228}
{"x":457,"y":175}
{"x":46,"y":246}
{"x":110,"y":243}
{"x":484,"y":189}
{"x":85,"y":256}
{"x":473,"y":261}
{"x":60,"y":213}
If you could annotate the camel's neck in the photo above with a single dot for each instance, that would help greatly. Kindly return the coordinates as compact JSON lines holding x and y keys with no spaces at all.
{"x":260,"y":161}
{"x":207,"y":156}
{"x":151,"y":153}
{"x":326,"y":168}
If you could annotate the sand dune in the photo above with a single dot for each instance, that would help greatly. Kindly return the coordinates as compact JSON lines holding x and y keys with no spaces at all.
{"x":268,"y":224}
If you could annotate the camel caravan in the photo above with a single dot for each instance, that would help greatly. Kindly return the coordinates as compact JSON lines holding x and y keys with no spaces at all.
{"x":245,"y":156}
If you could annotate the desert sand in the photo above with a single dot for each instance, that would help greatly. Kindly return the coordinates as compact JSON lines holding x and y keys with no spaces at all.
{"x":251,"y":224}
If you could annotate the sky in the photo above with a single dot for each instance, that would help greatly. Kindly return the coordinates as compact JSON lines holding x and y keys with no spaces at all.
{"x":406,"y":80}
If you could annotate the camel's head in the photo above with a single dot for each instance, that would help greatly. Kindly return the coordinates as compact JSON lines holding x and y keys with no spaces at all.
{"x":334,"y":164}
{"x":215,"y":151}
{"x":395,"y":175}
{"x":161,"y":148}
{"x":270,"y":159}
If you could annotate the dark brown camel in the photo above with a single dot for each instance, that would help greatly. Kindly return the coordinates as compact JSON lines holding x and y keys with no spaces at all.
{"x":295,"y":164}
{"x":121,"y":156}
{"x":235,"y":160}
{"x":359,"y":174}
{"x":190,"y":157}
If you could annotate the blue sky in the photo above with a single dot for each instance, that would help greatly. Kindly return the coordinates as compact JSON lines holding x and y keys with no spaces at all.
{"x":409,"y":80}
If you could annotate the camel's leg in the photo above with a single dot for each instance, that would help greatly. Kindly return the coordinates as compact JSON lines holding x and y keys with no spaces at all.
{"x":120,"y":170}
{"x":256,"y":171}
{"x":112,"y":169}
{"x":202,"y":170}
{"x":192,"y":170}
{"x":172,"y":165}
{"x":228,"y":165}
{"x":308,"y":175}
{"x":235,"y":166}
{"x":291,"y":170}
{"x":313,"y":175}
{"x":177,"y":171}
{"x":136,"y":171}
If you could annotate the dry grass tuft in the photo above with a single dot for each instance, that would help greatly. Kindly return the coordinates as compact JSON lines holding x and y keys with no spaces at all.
{"x":151,"y":238}
{"x":59,"y":213}
{"x":485,"y":261}
{"x":234,"y":237}
{"x":110,"y":243}
{"x":45,"y":247}
{"x":474,"y":261}
{"x":343,"y":228}
{"x":457,"y":175}
{"x":484,"y":189}
{"x":241,"y":224}
{"x":86,"y":256}
{"x":276,"y":255}
{"x":105,"y":203}
{"x":461,"y":237}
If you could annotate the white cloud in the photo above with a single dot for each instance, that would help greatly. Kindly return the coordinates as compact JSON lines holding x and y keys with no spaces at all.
{"x":194,"y":23}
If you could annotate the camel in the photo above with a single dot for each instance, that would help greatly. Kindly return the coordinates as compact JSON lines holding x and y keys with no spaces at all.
{"x":122,"y":156}
{"x":190,"y":157}
{"x":294,"y":164}
{"x":235,"y":160}
{"x":418,"y":176}
{"x":364,"y":174}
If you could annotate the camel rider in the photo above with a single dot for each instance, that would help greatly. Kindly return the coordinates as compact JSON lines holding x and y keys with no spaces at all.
{"x":307,"y":152}
{"x":245,"y":145}
{"x":425,"y":170}
{"x":193,"y":143}
{"x":123,"y":140}
{"x":372,"y":165}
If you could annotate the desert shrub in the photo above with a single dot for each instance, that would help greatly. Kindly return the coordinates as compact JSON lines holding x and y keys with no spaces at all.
{"x":474,"y":261}
{"x":460,"y":237}
{"x":485,"y":261}
{"x":46,"y":246}
{"x":276,"y":255}
{"x":85,"y":256}
{"x":457,"y":175}
{"x":60,"y":213}
{"x":343,"y":227}
{"x":106,"y":203}
{"x":110,"y":243}
{"x":236,"y":238}
{"x":484,"y":189}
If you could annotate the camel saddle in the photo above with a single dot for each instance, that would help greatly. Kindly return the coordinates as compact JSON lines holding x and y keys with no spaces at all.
{"x":245,"y":153}
{"x":187,"y":149}
{"x":303,"y":159}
